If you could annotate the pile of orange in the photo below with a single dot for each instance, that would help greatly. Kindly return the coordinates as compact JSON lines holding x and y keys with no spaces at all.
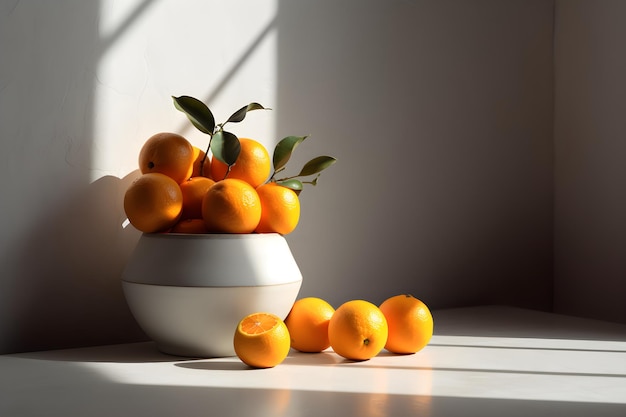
{"x":358,"y":330}
{"x":183,"y":190}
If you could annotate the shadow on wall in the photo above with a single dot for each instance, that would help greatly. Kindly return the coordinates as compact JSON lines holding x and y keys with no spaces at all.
{"x":62,"y":247}
{"x":440,"y":116}
{"x":68,"y":276}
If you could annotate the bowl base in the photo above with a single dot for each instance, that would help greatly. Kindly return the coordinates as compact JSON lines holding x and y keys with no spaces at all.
{"x":200,"y":322}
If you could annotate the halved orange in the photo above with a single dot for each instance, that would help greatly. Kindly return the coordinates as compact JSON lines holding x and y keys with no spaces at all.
{"x":261,"y":340}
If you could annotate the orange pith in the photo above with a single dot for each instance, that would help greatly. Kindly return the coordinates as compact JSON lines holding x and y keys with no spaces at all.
{"x":257,"y":324}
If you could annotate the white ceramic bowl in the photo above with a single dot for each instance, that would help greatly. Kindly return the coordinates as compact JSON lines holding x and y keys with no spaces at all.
{"x":188,"y":292}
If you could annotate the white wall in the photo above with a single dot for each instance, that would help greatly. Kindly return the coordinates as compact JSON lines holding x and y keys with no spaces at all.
{"x":440,"y":114}
{"x":82,"y":86}
{"x":590,"y":165}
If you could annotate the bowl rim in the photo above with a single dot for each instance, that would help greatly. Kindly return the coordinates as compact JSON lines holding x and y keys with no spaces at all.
{"x":213,"y":260}
{"x":171,"y":235}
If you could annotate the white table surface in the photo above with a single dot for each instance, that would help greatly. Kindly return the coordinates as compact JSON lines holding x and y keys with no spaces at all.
{"x":482,"y":361}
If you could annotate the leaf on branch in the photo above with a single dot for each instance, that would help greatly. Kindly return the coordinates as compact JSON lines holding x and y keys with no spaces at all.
{"x":225,"y":146}
{"x":197,"y":112}
{"x":294,"y":184}
{"x":240,"y":114}
{"x":284,"y":149}
{"x":316,"y":165}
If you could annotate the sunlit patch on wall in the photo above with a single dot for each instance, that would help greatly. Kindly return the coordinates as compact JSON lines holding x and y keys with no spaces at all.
{"x":151,"y":50}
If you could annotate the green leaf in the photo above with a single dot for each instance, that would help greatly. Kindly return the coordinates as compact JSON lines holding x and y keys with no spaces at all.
{"x":316,"y":165}
{"x":284,"y":149}
{"x":240,"y":114}
{"x":225,"y":147}
{"x":198,"y":113}
{"x":295,"y":185}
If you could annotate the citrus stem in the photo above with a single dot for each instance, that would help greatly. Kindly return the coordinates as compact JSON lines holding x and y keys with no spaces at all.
{"x":227,"y":171}
{"x":274,"y":174}
{"x":294,"y":176}
{"x":206,"y":155}
{"x":287,"y":178}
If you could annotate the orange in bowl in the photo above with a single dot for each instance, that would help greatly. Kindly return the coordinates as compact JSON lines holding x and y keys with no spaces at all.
{"x":280,"y":209}
{"x":231,"y":206}
{"x":189,"y":227}
{"x":153,"y":202}
{"x":193,"y":190}
{"x":167,"y":153}
{"x":253,"y":164}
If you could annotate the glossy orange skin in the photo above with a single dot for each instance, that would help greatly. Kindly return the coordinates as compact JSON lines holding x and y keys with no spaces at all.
{"x":280,"y":209}
{"x":153,"y":202}
{"x":308,"y":324}
{"x":410,"y":324}
{"x":358,"y":330}
{"x":231,"y":206}
{"x":167,"y":153}
{"x":252,"y":166}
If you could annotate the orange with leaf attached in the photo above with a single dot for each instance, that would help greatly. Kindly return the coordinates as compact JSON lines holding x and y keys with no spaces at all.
{"x":280,"y":209}
{"x":253,"y":164}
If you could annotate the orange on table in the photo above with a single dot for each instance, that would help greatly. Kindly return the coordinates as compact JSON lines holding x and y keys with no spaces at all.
{"x":199,"y":155}
{"x":190,"y":226}
{"x":153,"y":202}
{"x":194,"y":190}
{"x":410,"y":323}
{"x":357,"y":330}
{"x":307,"y":323}
{"x":231,"y":206}
{"x":167,"y":153}
{"x":261,"y":340}
{"x":253,"y":164}
{"x":280,"y":209}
